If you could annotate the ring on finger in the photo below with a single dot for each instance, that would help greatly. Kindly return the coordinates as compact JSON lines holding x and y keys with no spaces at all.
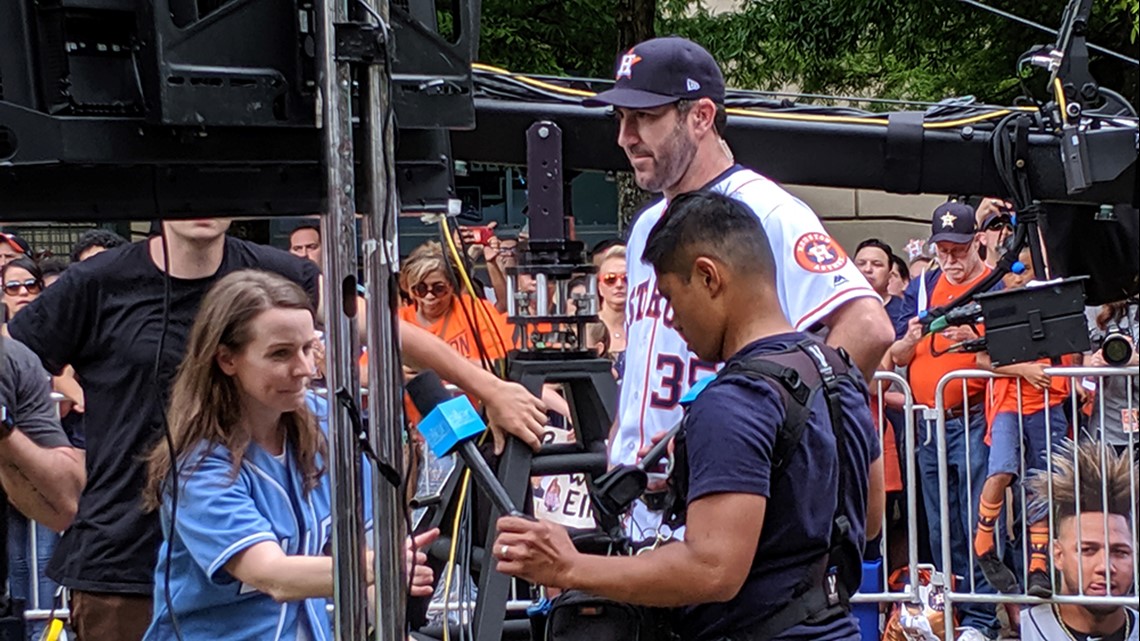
{"x":503,"y":550}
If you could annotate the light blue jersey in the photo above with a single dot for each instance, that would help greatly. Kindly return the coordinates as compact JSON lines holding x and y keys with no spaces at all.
{"x":218,"y":517}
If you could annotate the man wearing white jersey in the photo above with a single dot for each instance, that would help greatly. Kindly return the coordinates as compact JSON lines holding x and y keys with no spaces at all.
{"x":668,"y":96}
{"x":1091,"y":491}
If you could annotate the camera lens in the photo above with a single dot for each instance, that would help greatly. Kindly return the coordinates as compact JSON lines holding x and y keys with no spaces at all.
{"x":1116,"y":350}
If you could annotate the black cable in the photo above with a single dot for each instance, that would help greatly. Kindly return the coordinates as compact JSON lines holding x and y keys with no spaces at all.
{"x":389,"y":124}
{"x":1017,"y":187}
{"x":172,"y":451}
{"x":480,"y":347}
{"x":1119,"y":98}
{"x":531,"y":89}
{"x":953,"y":349}
{"x":497,"y":85}
{"x":595,"y":84}
{"x":1040,"y":27}
{"x":1026,"y":92}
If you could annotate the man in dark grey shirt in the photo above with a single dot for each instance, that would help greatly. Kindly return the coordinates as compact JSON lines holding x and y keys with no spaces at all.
{"x":40,"y":472}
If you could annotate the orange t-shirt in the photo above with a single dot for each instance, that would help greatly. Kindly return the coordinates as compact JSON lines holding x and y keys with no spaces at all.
{"x":926,"y":369}
{"x":1032,"y":399}
{"x":455,"y":330}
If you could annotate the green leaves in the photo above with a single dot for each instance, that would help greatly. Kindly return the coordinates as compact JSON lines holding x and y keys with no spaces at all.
{"x":905,"y":49}
{"x":560,"y":37}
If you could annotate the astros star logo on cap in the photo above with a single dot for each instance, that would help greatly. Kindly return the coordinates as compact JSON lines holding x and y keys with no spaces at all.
{"x":625,"y":69}
{"x":948,"y":220}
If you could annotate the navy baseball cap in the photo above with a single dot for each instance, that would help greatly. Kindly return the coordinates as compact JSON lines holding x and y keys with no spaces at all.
{"x":996,"y":217}
{"x":662,"y":71}
{"x":953,"y":222}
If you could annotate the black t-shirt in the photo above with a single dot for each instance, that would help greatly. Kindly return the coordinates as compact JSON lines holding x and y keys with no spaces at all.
{"x":25,"y":395}
{"x":104,"y":317}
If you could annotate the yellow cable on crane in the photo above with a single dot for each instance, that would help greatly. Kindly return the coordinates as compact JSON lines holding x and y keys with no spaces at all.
{"x":776,"y":115}
{"x":1059,"y":93}
{"x":569,"y":91}
{"x":771,"y":115}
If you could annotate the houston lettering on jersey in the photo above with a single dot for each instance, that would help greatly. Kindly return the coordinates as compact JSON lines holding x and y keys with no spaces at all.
{"x":644,"y":301}
{"x":814,"y":277}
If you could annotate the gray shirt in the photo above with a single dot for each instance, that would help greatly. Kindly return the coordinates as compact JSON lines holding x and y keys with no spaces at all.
{"x":25,"y":396}
{"x":25,"y":392}
{"x":1040,"y":623}
{"x":1114,"y":390}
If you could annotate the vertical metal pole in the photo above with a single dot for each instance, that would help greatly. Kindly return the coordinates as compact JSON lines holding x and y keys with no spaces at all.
{"x":339,"y":295}
{"x":385,"y":379}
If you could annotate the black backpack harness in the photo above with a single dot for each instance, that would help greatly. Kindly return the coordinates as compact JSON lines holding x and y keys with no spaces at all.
{"x":798,"y":375}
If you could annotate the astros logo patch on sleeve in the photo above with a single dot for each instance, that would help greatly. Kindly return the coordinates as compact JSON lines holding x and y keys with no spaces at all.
{"x":819,"y":253}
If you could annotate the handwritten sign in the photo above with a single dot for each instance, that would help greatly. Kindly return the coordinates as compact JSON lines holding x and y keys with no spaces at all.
{"x":563,"y":499}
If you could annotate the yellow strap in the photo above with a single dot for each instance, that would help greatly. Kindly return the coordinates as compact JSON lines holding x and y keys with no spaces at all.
{"x":52,"y":631}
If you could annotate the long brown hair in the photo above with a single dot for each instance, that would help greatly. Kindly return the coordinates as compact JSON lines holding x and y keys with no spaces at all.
{"x":205,"y":406}
{"x":1112,"y":312}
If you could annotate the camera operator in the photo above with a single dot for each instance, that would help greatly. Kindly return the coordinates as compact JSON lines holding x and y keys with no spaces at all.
{"x":736,"y":570}
{"x":1114,"y":413}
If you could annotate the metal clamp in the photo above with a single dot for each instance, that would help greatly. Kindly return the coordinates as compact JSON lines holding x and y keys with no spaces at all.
{"x":359,"y":42}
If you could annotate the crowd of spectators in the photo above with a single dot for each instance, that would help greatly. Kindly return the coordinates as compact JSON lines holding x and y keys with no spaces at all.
{"x":995,"y":430}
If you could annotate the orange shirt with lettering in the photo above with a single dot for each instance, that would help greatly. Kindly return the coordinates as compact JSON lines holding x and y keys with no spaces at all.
{"x":453,"y":329}
{"x":493,"y":328}
{"x":927,"y":369}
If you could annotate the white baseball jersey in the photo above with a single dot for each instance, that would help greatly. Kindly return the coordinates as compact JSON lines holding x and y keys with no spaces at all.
{"x":1040,"y":623}
{"x":813,"y":276}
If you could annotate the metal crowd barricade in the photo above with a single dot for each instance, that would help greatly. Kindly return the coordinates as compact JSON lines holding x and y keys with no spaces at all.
{"x":968,"y":589}
{"x":36,"y":613}
{"x":882,"y":383}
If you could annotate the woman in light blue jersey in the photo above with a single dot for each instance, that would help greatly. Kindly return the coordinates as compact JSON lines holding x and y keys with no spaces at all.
{"x":246,"y":557}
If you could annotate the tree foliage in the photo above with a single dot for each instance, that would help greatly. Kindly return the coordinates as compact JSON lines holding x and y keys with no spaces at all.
{"x":907,"y":49}
{"x":911,"y":49}
{"x":559,"y":37}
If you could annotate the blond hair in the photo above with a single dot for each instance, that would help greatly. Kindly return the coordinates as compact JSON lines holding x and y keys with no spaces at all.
{"x":616,"y":251}
{"x":424,"y":260}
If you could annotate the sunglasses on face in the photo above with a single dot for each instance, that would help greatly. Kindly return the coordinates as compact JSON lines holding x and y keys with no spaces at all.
{"x":611,"y":279}
{"x":437,"y":289}
{"x":1001,"y":226}
{"x":13,"y":287}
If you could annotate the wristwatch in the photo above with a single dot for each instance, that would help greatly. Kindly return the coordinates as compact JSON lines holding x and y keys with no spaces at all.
{"x":6,"y":423}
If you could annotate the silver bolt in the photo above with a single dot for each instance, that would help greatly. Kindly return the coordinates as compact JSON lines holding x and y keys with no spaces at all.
{"x":543,"y":132}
